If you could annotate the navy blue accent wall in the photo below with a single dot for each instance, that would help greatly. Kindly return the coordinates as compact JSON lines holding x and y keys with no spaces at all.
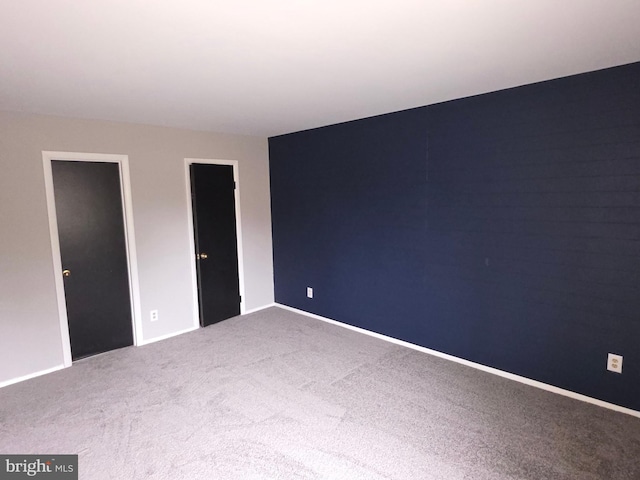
{"x":502,"y":228}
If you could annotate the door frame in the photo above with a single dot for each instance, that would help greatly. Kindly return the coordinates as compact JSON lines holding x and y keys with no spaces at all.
{"x":192,"y":246}
{"x":132,"y":259}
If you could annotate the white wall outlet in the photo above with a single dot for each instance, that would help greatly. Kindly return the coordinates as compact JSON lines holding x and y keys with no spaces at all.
{"x":309,"y":292}
{"x":614,"y":363}
{"x":154,"y":315}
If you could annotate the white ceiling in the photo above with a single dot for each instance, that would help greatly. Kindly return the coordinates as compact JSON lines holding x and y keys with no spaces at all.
{"x":267,"y":67}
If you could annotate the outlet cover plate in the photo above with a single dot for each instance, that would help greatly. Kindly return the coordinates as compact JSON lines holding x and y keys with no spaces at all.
{"x":614,"y":363}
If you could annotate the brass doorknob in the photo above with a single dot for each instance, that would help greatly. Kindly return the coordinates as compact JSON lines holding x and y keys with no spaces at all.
{"x":66,"y":273}
{"x":203,"y":256}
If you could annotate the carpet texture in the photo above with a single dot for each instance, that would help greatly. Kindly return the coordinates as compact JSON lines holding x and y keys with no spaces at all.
{"x":277,"y":395}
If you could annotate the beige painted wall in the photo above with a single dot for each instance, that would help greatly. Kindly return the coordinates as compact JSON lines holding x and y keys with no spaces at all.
{"x":30,"y":338}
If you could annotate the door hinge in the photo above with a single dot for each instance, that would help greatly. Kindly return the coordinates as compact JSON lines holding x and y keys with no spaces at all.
{"x":240,"y":297}
{"x":234,"y":185}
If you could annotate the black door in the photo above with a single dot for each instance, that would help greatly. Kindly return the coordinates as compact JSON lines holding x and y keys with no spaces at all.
{"x":214,"y":221}
{"x":94,"y":259}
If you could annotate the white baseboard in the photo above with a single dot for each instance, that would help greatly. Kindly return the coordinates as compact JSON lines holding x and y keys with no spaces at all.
{"x":144,"y":342}
{"x":484,"y":368}
{"x":168,"y":335}
{"x":253,"y":310}
{"x":6,"y":383}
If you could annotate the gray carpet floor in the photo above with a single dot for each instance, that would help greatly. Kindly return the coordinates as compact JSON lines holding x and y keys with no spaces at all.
{"x":276,"y":395}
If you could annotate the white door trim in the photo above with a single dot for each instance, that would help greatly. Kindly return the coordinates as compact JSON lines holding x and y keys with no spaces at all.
{"x":192,"y":245}
{"x":125,"y":187}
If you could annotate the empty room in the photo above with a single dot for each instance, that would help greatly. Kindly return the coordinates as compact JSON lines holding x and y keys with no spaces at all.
{"x":320,"y":240}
